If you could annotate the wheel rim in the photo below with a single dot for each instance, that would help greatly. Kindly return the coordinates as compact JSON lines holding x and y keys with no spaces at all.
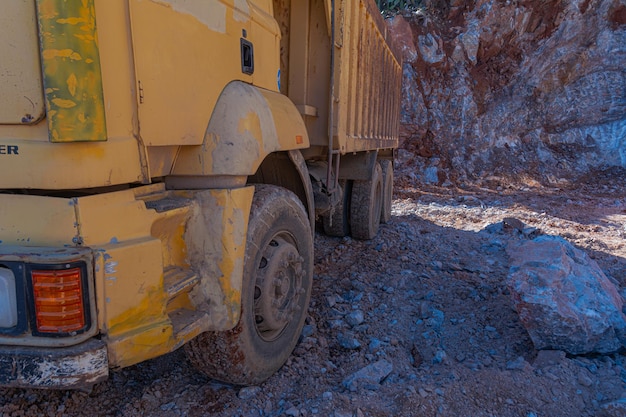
{"x":278,"y":287}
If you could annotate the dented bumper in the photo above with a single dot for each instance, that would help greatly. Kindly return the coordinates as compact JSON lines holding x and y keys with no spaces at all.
{"x":73,"y":367}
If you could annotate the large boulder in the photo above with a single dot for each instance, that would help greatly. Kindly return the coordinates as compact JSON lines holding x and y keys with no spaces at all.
{"x":564,"y":299}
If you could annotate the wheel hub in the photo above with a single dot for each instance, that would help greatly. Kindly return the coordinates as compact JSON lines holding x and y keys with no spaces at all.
{"x":278,"y":288}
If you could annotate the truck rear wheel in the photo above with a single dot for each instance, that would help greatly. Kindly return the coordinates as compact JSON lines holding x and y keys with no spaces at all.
{"x":365,"y":205}
{"x":387,"y":170}
{"x":278,"y":273}
{"x":337,"y":224}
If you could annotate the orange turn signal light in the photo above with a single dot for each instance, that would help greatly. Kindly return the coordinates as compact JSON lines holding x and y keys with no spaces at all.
{"x":59,"y":305}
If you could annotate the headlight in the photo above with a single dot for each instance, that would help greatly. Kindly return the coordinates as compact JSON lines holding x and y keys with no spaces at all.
{"x":8,"y":299}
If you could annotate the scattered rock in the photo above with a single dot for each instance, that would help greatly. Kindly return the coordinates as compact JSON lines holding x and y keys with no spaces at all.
{"x":615,"y":408}
{"x":293,"y":412}
{"x":584,"y":379}
{"x":247,"y":393}
{"x":518,"y":364}
{"x":548,"y":358}
{"x":417,"y":357}
{"x":369,"y":377}
{"x":354,"y":318}
{"x":348,"y":341}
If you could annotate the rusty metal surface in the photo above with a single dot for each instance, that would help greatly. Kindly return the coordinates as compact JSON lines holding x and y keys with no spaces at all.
{"x":77,"y":367}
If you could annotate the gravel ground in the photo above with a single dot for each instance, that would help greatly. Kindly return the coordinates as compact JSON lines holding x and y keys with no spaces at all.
{"x":416,"y":322}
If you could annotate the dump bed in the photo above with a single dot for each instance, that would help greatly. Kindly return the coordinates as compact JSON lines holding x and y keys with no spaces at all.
{"x":365,"y":80}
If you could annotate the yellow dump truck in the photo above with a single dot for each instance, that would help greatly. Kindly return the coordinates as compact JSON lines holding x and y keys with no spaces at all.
{"x":163,"y":166}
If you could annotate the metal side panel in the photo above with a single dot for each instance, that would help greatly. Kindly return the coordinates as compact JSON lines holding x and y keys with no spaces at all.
{"x":20,"y":80}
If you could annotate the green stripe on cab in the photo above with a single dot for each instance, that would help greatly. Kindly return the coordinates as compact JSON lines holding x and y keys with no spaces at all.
{"x":72,"y":76}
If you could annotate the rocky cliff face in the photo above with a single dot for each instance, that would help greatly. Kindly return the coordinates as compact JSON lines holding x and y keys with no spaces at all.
{"x":531,"y":90}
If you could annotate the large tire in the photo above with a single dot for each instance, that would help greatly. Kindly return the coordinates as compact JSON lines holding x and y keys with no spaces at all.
{"x":387,"y":170}
{"x":278,"y":273}
{"x":365,"y":206}
{"x":337,"y":223}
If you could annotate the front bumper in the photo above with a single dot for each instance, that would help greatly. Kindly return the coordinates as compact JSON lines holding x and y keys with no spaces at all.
{"x":75,"y":367}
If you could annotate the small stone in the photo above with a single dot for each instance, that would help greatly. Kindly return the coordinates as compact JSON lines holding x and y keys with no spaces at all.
{"x":369,"y":377}
{"x":374,"y":345}
{"x":584,"y":379}
{"x":615,"y":408}
{"x":348,"y":341}
{"x":518,"y":364}
{"x":422,"y":392}
{"x":308,"y":330}
{"x":440,"y":357}
{"x":168,"y":406}
{"x":354,"y":318}
{"x":418,"y":359}
{"x":548,"y":358}
{"x":336,"y":324}
{"x":436,"y":320}
{"x":293,"y":412}
{"x":327,"y":396}
{"x":512,"y":224}
{"x":331,"y":301}
{"x":247,"y":393}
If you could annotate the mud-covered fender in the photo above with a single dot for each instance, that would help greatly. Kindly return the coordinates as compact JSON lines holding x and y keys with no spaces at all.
{"x":247,"y":124}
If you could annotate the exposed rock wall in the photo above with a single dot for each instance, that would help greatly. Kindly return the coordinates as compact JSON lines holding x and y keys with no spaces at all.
{"x":519,"y":89}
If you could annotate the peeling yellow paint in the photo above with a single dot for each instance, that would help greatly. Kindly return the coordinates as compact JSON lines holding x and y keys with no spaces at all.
{"x":133,"y":348}
{"x":210,"y":14}
{"x":64,"y":104}
{"x":233,"y":242}
{"x":71,"y":84}
{"x":85,"y":37}
{"x":61,"y":53}
{"x":72,"y":20}
{"x":251,"y":124}
{"x":144,"y":312}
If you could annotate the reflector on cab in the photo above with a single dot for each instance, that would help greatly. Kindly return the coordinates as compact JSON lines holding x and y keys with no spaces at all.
{"x":58,"y":298}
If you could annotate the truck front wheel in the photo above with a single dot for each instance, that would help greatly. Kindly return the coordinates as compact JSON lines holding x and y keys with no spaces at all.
{"x":278,"y":273}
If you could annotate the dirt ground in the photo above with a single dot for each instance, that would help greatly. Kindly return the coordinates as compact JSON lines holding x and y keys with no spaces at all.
{"x":426,"y":301}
